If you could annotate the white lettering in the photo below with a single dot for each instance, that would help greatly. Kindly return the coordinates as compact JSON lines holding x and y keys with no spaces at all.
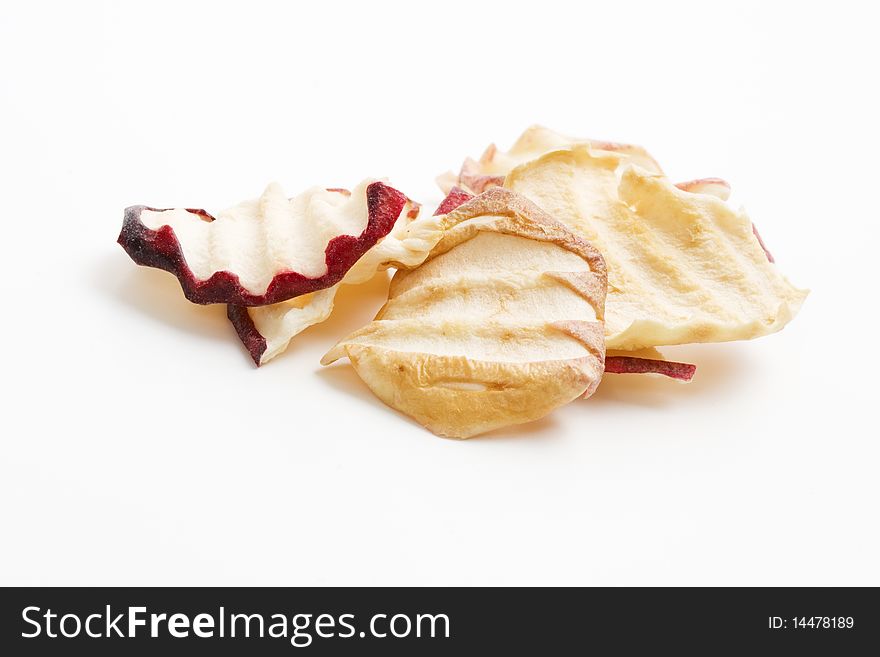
{"x":298,"y":627}
{"x":155,"y":619}
{"x":78,"y":625}
{"x":134,"y":621}
{"x":408,"y":625}
{"x":24,"y":616}
{"x":203,"y":626}
{"x":178,"y":625}
{"x":247,"y":626}
{"x":373,"y":626}
{"x":89,"y":626}
{"x":112,"y":626}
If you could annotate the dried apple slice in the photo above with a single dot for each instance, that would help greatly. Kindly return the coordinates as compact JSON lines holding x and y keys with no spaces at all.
{"x":454,"y":197}
{"x":266,"y":331}
{"x":682,"y":267}
{"x":712,"y":186}
{"x":500,"y":325}
{"x":647,"y":361}
{"x":267,"y":250}
{"x":489,"y":171}
{"x":493,"y":166}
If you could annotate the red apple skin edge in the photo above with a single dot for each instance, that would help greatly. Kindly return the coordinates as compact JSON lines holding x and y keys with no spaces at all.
{"x":720,"y":187}
{"x":633,"y":365}
{"x":242,"y":321}
{"x":456,"y":196}
{"x":160,"y":249}
{"x":251,"y":338}
{"x":761,"y":242}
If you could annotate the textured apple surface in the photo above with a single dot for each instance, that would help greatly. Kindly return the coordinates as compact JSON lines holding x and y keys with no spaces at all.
{"x":682,"y":267}
{"x":266,"y":250}
{"x":712,"y":186}
{"x":477,"y":176}
{"x":266,"y":331}
{"x":644,"y":361}
{"x":492,"y":168}
{"x":500,"y":325}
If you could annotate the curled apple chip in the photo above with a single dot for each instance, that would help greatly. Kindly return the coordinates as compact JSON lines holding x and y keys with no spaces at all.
{"x":266,"y":331}
{"x":500,"y":325}
{"x":489,"y":171}
{"x":682,"y":267}
{"x":266,"y":250}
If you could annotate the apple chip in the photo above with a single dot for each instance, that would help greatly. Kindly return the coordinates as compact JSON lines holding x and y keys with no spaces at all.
{"x":643,"y":361}
{"x":489,"y":171}
{"x":500,"y":325}
{"x":266,"y":250}
{"x":712,"y":186}
{"x":647,"y":361}
{"x":266,"y":331}
{"x":682,"y":267}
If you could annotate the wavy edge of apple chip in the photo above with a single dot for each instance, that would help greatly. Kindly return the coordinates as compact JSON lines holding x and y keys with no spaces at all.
{"x":161,"y":249}
{"x":476,"y":176}
{"x":266,"y":331}
{"x":700,"y":201}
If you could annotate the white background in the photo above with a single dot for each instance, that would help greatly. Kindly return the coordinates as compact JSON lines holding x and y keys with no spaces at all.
{"x":141,"y":446}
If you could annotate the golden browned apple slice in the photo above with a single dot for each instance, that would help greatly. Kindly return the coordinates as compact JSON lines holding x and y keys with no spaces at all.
{"x":682,"y":267}
{"x":643,"y":361}
{"x":500,"y":325}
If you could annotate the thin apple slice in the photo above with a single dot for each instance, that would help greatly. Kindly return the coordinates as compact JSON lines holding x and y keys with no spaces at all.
{"x":717,"y":187}
{"x":267,"y":250}
{"x":501,"y":324}
{"x":266,"y":331}
{"x":477,"y":176}
{"x":721,"y":189}
{"x":682,"y":267}
{"x":621,"y":362}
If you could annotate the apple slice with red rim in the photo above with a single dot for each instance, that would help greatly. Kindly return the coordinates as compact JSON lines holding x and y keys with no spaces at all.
{"x":266,"y":250}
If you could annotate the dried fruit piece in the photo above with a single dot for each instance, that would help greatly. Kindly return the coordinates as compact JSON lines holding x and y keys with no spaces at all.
{"x":682,"y":267}
{"x":761,"y":242}
{"x":455,"y":197}
{"x":267,"y":250}
{"x":712,"y":186}
{"x":500,"y":325}
{"x":621,"y":362}
{"x":489,"y":171}
{"x":266,"y":331}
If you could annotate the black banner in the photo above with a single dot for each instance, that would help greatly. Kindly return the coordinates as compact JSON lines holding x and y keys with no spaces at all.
{"x":419,"y":621}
